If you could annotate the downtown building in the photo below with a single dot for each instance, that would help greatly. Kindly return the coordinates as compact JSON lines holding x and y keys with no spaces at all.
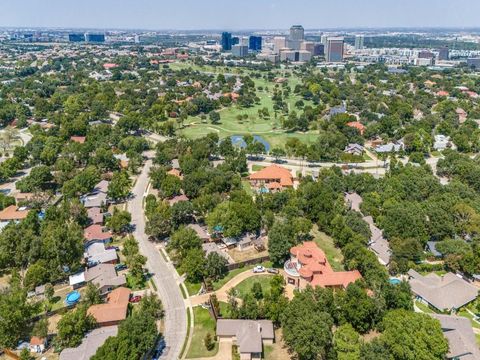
{"x":335,"y":47}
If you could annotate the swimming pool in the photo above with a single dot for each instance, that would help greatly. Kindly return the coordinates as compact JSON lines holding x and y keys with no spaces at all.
{"x":72,"y":298}
{"x":395,"y":281}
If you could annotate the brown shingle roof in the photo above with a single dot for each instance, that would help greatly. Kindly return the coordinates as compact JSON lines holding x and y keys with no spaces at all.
{"x":114,"y":310}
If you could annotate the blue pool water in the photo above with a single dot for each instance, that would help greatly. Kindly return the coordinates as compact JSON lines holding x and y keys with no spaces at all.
{"x":395,"y":281}
{"x":72,"y":298}
{"x":237,"y":140}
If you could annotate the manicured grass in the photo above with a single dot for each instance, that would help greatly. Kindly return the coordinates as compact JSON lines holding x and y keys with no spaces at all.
{"x":246,"y":285}
{"x":478,"y":339}
{"x":247,"y":187}
{"x":182,"y":290}
{"x":203,"y":324}
{"x":185,"y":342}
{"x":218,"y":284}
{"x":469,"y":316}
{"x":425,"y":308}
{"x":224,"y":309}
{"x":192,"y":288}
{"x":257,"y":167}
{"x":333,"y":254}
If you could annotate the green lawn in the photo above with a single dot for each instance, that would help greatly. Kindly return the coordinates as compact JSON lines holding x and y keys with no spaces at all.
{"x":257,"y":167}
{"x":425,"y":308}
{"x":247,"y":187}
{"x":192,"y":288}
{"x":333,"y":254}
{"x":203,"y":324}
{"x":246,"y":285}
{"x":478,"y":339}
{"x":269,"y":128}
{"x":466,"y":314}
{"x":218,"y":284}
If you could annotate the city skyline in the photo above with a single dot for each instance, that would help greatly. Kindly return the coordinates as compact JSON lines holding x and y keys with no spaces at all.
{"x":215,"y":14}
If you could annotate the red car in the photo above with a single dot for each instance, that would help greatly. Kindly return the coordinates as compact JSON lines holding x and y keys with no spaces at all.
{"x":135,"y":299}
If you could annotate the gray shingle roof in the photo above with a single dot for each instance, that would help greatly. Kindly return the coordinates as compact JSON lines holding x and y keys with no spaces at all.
{"x":91,"y":342}
{"x":460,"y":336}
{"x":443,"y":292}
{"x":249,"y":333}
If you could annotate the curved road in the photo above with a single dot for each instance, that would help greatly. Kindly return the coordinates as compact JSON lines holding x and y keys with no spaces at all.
{"x":164,"y":275}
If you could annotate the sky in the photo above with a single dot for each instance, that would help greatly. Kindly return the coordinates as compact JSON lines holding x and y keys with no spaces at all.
{"x":238,"y":14}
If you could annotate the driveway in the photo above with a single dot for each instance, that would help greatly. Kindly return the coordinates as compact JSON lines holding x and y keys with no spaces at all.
{"x":164,"y":275}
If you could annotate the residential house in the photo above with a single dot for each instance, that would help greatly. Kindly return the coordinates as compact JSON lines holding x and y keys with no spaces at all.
{"x":78,"y":139}
{"x":354,"y":149}
{"x":442,"y":142}
{"x":98,"y":197}
{"x":201,"y":231}
{"x":462,"y":115}
{"x":249,"y":335}
{"x":390,"y":147}
{"x":272,"y":178}
{"x":177,"y":199}
{"x":445,"y":293}
{"x":95,"y":215}
{"x":175,"y":172}
{"x":357,"y":125}
{"x":90,"y":344}
{"x":96,"y":254}
{"x":103,"y":275}
{"x":308,"y":265}
{"x":113,"y":310}
{"x":96,"y":232}
{"x":38,"y":344}
{"x":458,"y":331}
{"x":377,"y":243}
{"x":13,"y":213}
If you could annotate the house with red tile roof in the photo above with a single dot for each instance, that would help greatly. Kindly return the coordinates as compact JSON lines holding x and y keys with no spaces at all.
{"x":357,"y":125}
{"x":272,"y":178}
{"x":308,"y":265}
{"x":13,"y":213}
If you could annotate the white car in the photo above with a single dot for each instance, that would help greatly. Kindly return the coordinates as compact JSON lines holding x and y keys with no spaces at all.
{"x":258,"y":269}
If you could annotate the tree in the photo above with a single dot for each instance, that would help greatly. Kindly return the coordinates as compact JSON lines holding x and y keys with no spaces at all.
{"x":40,"y":328}
{"x":208,"y":342}
{"x":280,"y":240}
{"x":346,"y":343}
{"x":413,"y":336}
{"x":92,"y":295}
{"x":214,"y":117}
{"x":15,"y":312}
{"x":119,"y":221}
{"x":306,"y":330}
{"x":119,"y":187}
{"x":216,"y":266}
{"x":159,"y":220}
{"x":136,"y":337}
{"x":257,"y":290}
{"x":73,"y":326}
{"x":194,"y":265}
{"x":152,"y":305}
{"x":49,"y":292}
{"x":25,"y":355}
{"x":182,"y":241}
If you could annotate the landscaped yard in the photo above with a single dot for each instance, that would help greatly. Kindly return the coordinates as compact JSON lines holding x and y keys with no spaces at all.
{"x":276,"y":351}
{"x":469,"y":316}
{"x":247,"y":187}
{"x":218,"y":284}
{"x":425,"y":308}
{"x":257,"y":167}
{"x":246,"y":285}
{"x":246,"y":254}
{"x":192,"y":288}
{"x":204,"y":324}
{"x":333,"y":254}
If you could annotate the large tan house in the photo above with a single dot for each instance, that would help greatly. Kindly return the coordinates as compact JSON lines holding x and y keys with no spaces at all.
{"x":272,"y":178}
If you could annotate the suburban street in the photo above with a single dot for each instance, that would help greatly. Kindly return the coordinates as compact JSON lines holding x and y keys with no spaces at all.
{"x":164,"y":275}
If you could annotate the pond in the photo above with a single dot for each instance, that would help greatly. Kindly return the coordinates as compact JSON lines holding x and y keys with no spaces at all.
{"x":237,"y":140}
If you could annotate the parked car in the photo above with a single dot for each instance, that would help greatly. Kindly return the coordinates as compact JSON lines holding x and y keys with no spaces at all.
{"x":272,"y":271}
{"x":135,"y":299}
{"x":258,"y":269}
{"x":113,"y":247}
{"x":119,"y":267}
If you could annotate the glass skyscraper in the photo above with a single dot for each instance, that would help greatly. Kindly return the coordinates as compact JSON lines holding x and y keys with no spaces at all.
{"x":255,"y":43}
{"x":227,"y":41}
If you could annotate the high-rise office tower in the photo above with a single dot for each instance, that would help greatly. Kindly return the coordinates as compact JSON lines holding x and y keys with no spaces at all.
{"x":296,"y":37}
{"x":319,"y":50}
{"x":235,"y":40}
{"x":226,"y":41}
{"x":443,"y":53}
{"x":279,"y":43}
{"x":255,"y":43}
{"x":359,"y":41}
{"x":335,"y":49}
{"x":324,"y":39}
